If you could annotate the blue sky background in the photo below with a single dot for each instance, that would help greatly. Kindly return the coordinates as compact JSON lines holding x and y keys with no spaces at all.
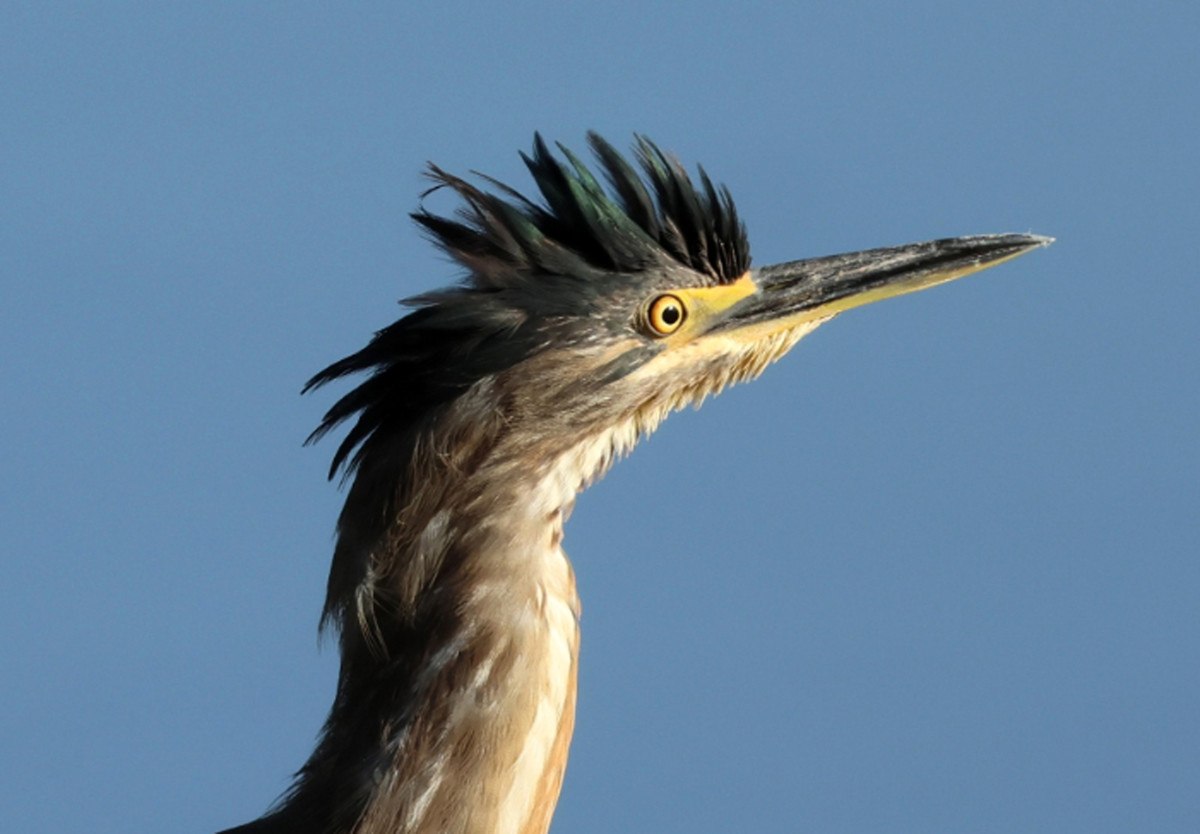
{"x":936,"y":571}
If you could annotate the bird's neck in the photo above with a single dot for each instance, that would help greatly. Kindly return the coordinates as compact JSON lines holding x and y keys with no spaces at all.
{"x":481,"y":735}
{"x":455,"y":713}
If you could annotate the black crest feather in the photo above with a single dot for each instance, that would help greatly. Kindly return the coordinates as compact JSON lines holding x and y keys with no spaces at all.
{"x":583,"y":227}
{"x":651,"y":213}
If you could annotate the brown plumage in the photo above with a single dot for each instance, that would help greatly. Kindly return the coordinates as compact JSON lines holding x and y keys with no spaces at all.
{"x":583,"y":322}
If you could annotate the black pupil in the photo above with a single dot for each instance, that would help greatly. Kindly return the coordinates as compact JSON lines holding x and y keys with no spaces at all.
{"x":670,"y":314}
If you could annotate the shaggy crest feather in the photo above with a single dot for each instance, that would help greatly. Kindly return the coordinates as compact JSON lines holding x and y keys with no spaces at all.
{"x":651,"y":214}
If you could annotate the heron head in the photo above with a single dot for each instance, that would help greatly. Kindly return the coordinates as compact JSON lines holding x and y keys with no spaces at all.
{"x":609,"y":305}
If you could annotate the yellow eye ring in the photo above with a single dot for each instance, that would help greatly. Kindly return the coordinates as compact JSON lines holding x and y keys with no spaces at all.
{"x":666,"y":314}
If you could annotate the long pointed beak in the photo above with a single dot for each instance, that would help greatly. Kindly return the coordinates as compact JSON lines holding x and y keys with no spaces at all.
{"x":791,"y":294}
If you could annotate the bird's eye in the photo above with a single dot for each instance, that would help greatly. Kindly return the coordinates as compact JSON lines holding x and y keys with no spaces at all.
{"x":665,"y":315}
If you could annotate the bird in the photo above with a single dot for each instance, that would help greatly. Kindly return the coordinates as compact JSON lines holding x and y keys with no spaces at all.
{"x":585,"y":315}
